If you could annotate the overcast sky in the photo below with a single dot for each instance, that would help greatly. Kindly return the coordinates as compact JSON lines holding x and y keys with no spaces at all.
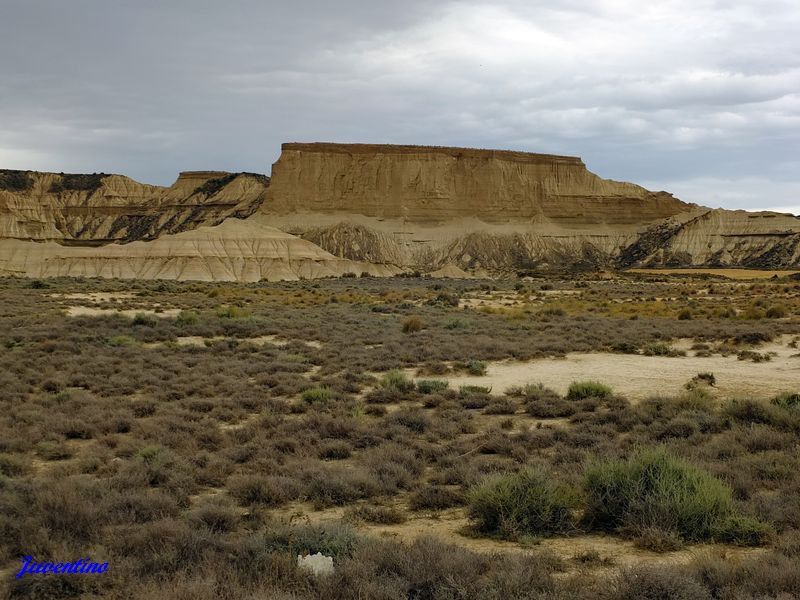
{"x":697,"y":97}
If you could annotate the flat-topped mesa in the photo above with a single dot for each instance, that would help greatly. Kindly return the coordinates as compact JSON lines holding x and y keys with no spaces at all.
{"x":435,"y":184}
{"x":452,"y":151}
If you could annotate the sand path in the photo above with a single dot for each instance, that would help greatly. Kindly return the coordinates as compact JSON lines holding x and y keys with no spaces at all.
{"x":637,"y":377}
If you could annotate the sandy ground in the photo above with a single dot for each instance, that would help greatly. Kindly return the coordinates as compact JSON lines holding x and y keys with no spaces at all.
{"x":96,"y":296}
{"x":451,"y":525}
{"x":637,"y":377}
{"x":199,"y":341}
{"x":730,"y":273}
{"x":90,"y":311}
{"x":102,"y":297}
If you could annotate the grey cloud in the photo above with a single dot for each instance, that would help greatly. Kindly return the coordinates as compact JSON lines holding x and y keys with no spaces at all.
{"x":700,"y":95}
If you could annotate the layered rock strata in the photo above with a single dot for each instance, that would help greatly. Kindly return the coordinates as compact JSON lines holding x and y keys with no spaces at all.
{"x":91,"y":210}
{"x":331,"y":209}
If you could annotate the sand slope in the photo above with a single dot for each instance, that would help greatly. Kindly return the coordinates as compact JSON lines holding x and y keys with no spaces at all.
{"x":237,"y":250}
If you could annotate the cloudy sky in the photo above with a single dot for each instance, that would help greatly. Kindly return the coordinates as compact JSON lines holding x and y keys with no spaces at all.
{"x":697,"y":97}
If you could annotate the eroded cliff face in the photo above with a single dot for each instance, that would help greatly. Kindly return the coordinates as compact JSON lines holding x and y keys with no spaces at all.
{"x":496,"y":211}
{"x":430,"y":185}
{"x":237,"y":250}
{"x":718,"y":238}
{"x":332,"y":209}
{"x":91,"y":210}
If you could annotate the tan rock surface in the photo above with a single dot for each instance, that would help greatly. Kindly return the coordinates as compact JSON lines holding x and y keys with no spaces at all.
{"x":336,"y":208}
{"x":237,"y":250}
{"x":732,"y":237}
{"x":98,"y":209}
{"x":430,"y":184}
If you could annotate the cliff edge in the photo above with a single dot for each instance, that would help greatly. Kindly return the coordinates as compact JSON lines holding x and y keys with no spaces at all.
{"x":330,"y":209}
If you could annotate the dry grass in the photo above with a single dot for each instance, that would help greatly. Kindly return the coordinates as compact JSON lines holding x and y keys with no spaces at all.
{"x":175,"y":460}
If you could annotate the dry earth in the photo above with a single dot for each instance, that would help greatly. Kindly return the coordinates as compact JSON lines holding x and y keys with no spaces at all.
{"x":637,"y":377}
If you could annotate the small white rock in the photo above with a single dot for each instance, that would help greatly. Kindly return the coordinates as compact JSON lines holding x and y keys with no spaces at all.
{"x":318,"y":563}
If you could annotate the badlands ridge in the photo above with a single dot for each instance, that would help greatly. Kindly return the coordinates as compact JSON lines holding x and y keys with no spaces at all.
{"x":331,"y":209}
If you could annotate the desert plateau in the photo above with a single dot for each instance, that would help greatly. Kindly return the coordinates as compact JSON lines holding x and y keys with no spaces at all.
{"x":458,"y":300}
{"x":396,"y":372}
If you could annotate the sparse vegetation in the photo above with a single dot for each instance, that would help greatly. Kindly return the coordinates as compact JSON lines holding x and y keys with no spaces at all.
{"x":525,"y":503}
{"x":580,"y":390}
{"x":653,"y":490}
{"x":431,"y":386}
{"x":397,"y":381}
{"x":180,"y":447}
{"x":412,"y":325}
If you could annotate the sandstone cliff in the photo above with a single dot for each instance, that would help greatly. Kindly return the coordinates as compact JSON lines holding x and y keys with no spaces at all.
{"x":98,"y":209}
{"x":329,"y":209}
{"x":718,"y":238}
{"x":428,"y":185}
{"x":497,"y":211}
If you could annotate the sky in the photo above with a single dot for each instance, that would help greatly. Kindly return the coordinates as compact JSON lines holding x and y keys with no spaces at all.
{"x":697,"y":97}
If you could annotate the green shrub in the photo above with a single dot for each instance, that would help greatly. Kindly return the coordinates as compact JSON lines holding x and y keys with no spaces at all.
{"x":553,"y":311}
{"x":49,"y":450}
{"x":525,"y":503}
{"x":476,"y":367}
{"x":317,"y":395}
{"x":455,"y":324}
{"x":121,"y":340}
{"x":230,"y":312}
{"x":753,"y":313}
{"x":685,"y":315}
{"x":474,"y":390}
{"x":382,"y":515}
{"x":655,"y":490}
{"x":430,"y":386}
{"x":186,"y":318}
{"x":661,"y":349}
{"x":331,"y":539}
{"x":397,"y":381}
{"x":145,"y":320}
{"x":272,"y":490}
{"x":787,"y":400}
{"x":579,"y":390}
{"x":743,"y":531}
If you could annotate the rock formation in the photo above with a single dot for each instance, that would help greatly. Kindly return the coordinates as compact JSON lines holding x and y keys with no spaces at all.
{"x":91,"y":210}
{"x":236,"y":250}
{"x":497,"y":211}
{"x":330,"y":209}
{"x":430,"y":185}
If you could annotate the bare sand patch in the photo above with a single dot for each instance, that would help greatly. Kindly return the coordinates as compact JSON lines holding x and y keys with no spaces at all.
{"x":91,"y":311}
{"x":637,"y":377}
{"x":199,"y":341}
{"x":729,"y":273}
{"x":96,"y":296}
{"x":450,"y":526}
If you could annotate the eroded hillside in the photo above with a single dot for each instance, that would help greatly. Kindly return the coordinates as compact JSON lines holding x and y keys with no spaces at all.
{"x":331,"y":209}
{"x":492,"y":211}
{"x":91,"y":210}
